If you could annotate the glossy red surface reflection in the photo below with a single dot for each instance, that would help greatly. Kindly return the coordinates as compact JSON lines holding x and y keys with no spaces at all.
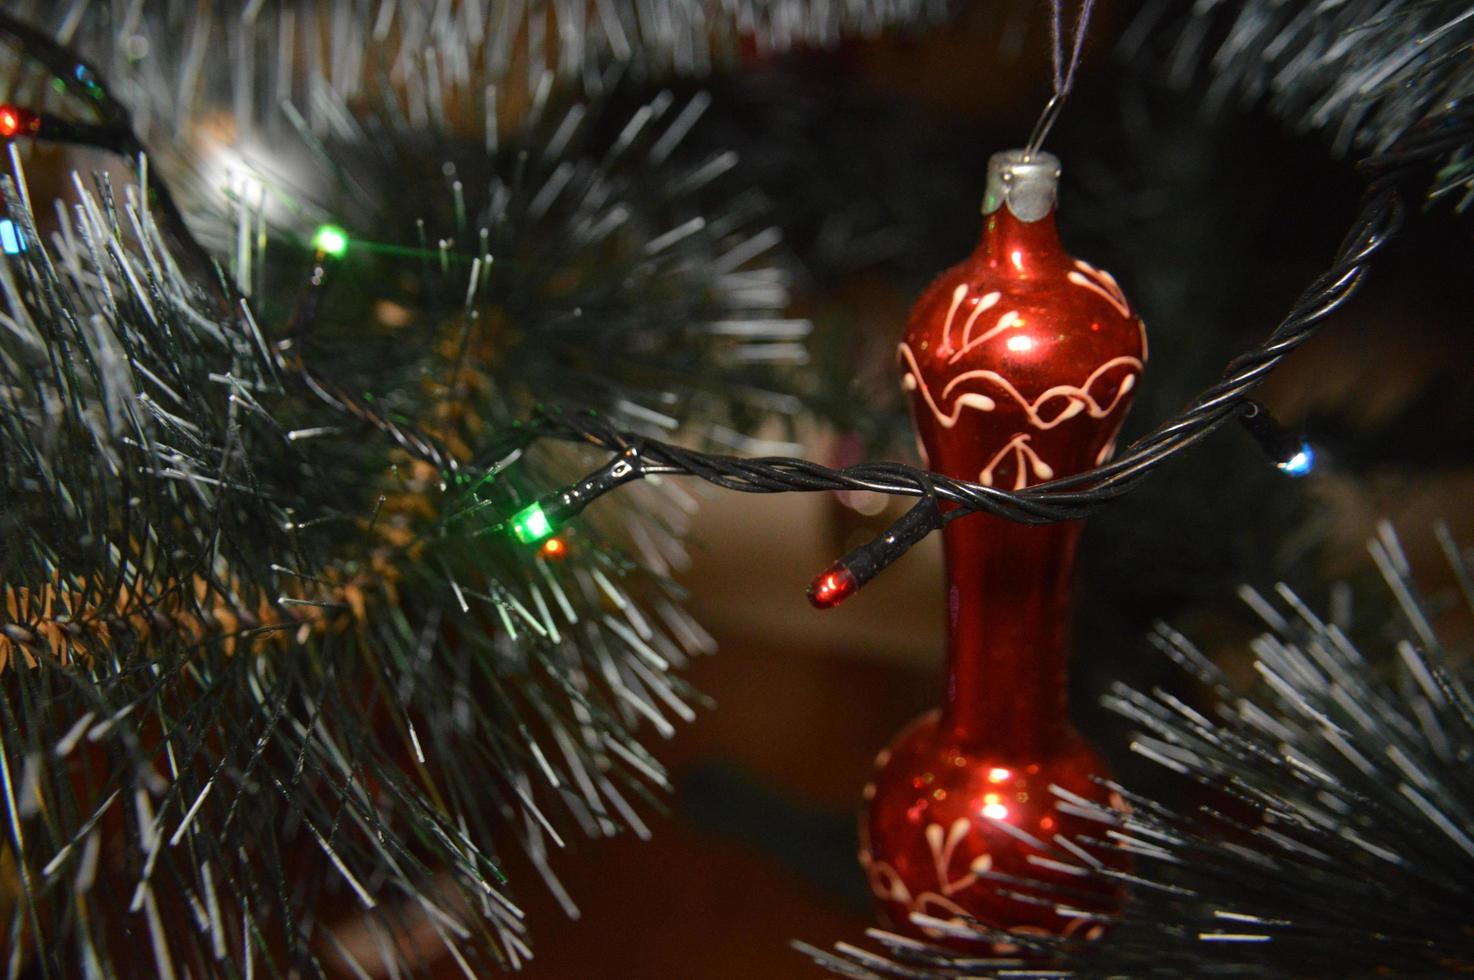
{"x":1020,"y":363}
{"x":930,"y":838}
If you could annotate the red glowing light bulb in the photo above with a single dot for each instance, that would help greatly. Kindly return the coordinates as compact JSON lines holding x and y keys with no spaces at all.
{"x":833,"y":587}
{"x":15,"y":121}
{"x":554,"y":548}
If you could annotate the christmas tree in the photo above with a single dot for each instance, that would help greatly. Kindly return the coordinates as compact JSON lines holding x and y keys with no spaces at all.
{"x":360,"y":360}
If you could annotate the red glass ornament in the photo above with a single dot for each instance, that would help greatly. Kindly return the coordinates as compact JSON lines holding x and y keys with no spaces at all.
{"x":1020,"y":363}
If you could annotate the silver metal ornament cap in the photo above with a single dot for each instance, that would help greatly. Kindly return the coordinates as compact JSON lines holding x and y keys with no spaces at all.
{"x":1026,"y":184}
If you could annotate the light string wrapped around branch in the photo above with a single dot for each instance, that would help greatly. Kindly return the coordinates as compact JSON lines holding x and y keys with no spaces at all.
{"x":1071,"y":498}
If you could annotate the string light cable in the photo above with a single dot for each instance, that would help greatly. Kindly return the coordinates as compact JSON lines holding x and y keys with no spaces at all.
{"x":1074,"y":497}
{"x":1378,"y":218}
{"x":945,"y":499}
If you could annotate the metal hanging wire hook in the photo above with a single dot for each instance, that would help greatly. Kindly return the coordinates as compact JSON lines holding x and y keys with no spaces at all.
{"x":1064,"y":75}
{"x":1044,"y":125}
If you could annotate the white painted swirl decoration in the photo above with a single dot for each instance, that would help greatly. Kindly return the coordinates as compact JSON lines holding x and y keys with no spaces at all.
{"x":1077,"y":398}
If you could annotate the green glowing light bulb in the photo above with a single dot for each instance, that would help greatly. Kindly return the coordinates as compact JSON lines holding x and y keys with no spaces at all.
{"x":331,"y":240}
{"x":530,"y":524}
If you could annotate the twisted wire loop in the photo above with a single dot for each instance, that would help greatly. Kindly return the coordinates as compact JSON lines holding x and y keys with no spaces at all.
{"x":1378,"y":219}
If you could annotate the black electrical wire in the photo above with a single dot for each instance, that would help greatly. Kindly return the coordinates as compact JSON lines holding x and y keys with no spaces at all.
{"x":1065,"y":499}
{"x":1379,"y":217}
{"x":1068,"y":498}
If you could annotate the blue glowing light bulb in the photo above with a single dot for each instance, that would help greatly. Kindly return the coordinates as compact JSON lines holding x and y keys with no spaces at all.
{"x":1301,"y":463}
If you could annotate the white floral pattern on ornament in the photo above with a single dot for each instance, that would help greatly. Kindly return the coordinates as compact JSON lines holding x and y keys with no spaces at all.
{"x":1098,"y":281}
{"x":1079,"y":396}
{"x":1101,"y":282}
{"x":886,"y":883}
{"x":1025,"y":459}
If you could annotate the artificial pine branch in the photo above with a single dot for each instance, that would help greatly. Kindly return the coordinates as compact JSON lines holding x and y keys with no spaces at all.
{"x":275,"y":674}
{"x":177,"y":63}
{"x":1367,"y":72}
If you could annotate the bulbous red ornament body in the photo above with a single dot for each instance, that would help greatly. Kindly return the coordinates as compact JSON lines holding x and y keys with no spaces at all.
{"x":1020,"y":363}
